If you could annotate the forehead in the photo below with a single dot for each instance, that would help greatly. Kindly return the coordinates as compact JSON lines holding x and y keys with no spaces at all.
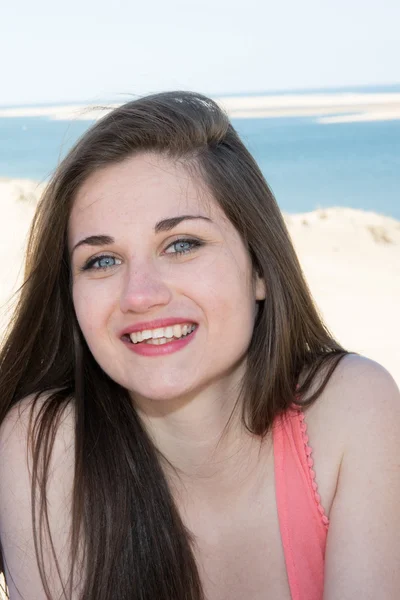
{"x":140,"y":190}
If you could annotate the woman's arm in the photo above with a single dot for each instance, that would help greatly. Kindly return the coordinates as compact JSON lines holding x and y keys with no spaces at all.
{"x":363,"y":548}
{"x":16,"y":533}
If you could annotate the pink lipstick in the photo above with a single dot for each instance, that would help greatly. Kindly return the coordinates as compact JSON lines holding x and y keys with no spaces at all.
{"x":160,"y":350}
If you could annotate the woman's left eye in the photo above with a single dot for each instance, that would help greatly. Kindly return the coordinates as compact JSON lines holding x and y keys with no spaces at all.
{"x":184,"y":246}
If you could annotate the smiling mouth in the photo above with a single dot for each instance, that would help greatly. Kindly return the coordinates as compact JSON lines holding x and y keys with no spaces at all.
{"x":158,"y":341}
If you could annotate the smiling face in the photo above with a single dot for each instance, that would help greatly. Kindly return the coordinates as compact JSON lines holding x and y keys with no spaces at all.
{"x":135,"y":261}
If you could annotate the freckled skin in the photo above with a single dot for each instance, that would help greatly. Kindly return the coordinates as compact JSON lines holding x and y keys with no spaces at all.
{"x":213,"y":285}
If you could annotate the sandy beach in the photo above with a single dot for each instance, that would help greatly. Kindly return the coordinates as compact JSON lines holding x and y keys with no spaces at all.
{"x":338,"y":107}
{"x":351,"y":260}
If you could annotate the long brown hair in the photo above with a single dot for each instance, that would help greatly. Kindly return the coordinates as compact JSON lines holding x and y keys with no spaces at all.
{"x":135,"y":543}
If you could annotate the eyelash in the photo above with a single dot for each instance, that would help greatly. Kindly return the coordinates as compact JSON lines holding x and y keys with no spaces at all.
{"x":89,"y":265}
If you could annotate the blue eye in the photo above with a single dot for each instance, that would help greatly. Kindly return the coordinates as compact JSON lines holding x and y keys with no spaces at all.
{"x":107,"y":261}
{"x":102,"y":262}
{"x":184,"y":246}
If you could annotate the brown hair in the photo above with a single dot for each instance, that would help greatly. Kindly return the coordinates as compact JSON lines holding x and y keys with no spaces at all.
{"x":135,"y":543}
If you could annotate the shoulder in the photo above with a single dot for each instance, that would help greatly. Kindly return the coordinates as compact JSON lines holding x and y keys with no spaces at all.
{"x":16,"y":429}
{"x":356,"y":374}
{"x":16,"y":525}
{"x":25,"y":421}
{"x":361,"y":395}
{"x":357,"y":420}
{"x":365,"y":407}
{"x":353,"y":425}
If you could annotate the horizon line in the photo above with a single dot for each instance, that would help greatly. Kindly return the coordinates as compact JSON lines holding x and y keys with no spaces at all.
{"x":395,"y":86}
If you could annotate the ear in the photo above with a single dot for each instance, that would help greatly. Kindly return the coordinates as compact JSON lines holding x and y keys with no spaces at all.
{"x":259,"y":287}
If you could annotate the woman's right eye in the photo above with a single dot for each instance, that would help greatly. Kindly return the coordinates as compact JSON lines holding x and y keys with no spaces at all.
{"x":101,"y":263}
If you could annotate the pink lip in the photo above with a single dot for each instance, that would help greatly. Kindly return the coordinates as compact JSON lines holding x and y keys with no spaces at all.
{"x":156,"y":350}
{"x":157,"y":323}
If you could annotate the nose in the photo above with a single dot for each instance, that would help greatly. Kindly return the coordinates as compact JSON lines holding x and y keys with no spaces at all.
{"x":143,"y":289}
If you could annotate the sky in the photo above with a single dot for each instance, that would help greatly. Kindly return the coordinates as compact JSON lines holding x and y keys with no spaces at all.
{"x":93,"y":50}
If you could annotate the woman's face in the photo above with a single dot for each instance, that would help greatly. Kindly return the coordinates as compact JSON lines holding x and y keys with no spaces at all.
{"x":135,"y":261}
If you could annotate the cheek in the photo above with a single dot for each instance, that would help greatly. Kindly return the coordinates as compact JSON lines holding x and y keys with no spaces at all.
{"x":227,"y":293}
{"x":92,"y":308}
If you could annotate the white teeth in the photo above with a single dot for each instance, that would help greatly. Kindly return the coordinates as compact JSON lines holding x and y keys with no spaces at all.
{"x":169,"y":332}
{"x":157,"y":341}
{"x":152,"y":336}
{"x":177,"y":331}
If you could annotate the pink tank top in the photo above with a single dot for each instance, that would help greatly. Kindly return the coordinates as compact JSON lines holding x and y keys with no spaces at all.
{"x":303,"y":523}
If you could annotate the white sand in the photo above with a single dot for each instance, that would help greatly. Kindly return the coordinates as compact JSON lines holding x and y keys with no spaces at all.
{"x":328,"y":108}
{"x":351,"y":260}
{"x":17,"y":201}
{"x":338,"y":107}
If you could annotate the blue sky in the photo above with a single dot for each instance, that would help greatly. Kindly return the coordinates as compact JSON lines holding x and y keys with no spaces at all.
{"x":92,"y":50}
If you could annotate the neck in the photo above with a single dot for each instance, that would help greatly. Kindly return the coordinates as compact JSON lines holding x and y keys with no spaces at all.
{"x":205,"y":446}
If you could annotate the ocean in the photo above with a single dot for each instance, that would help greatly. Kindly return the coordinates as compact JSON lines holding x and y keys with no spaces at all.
{"x":306,"y":163}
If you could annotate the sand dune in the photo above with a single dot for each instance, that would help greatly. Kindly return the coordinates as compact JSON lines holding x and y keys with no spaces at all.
{"x":351,"y":260}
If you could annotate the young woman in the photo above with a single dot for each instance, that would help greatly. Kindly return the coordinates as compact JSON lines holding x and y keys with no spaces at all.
{"x":177,"y":423}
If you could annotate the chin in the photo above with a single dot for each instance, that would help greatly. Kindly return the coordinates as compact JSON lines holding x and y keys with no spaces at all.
{"x":162,"y":391}
{"x":162,"y":394}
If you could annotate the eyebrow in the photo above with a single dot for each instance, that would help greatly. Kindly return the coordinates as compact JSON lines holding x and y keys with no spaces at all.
{"x":161,"y":226}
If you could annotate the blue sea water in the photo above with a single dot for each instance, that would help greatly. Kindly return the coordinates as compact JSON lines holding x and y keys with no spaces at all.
{"x":307,"y":164}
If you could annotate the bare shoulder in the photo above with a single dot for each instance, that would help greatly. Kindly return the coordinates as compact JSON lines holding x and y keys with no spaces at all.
{"x":360,"y":394}
{"x":16,"y":449}
{"x":16,"y":526}
{"x":358,"y":412}
{"x":16,"y":429}
{"x":355,"y":432}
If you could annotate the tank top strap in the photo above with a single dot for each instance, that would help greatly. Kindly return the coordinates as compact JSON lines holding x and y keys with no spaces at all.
{"x":302,"y":520}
